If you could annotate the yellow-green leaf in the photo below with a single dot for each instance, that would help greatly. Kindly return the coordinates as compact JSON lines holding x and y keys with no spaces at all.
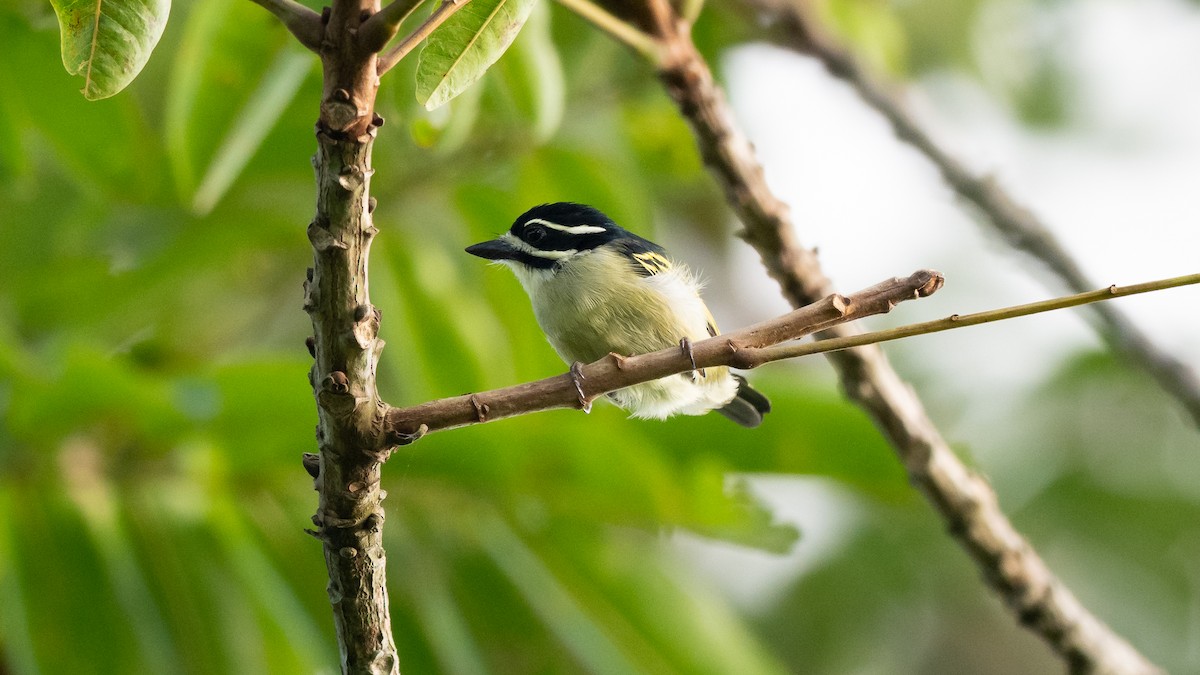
{"x":107,"y":42}
{"x":461,"y":50}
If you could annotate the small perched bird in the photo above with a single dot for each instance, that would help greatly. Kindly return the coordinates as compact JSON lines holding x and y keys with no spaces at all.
{"x":597,"y":288}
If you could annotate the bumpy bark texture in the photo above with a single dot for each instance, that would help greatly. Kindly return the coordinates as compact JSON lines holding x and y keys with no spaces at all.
{"x":346,"y":348}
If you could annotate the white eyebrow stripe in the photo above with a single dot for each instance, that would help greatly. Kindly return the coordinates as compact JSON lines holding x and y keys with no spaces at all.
{"x":553,"y":255}
{"x":577,"y":229}
{"x":549,"y":255}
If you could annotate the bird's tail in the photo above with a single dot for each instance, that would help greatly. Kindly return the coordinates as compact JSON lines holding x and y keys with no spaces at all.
{"x":748,"y":407}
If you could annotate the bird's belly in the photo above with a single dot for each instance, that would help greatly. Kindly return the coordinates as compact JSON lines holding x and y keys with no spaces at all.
{"x":638,"y":323}
{"x":637,"y":319}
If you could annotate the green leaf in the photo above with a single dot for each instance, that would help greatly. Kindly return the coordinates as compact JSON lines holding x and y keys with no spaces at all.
{"x":263,"y":109}
{"x":462,"y":49}
{"x":201,"y":34}
{"x":579,"y":630}
{"x":109,"y":41}
{"x":534,"y":76}
{"x":226,"y":92}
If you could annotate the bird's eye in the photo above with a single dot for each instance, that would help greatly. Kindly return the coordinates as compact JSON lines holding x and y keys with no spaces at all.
{"x":535,"y":234}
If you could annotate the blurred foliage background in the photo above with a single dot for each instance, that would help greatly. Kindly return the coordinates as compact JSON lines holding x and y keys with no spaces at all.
{"x":154,"y":404}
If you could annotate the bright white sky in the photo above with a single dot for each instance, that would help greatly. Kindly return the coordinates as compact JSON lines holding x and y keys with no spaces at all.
{"x":1120,"y":186}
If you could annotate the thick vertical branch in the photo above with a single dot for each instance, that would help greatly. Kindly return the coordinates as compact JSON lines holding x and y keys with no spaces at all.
{"x":964,"y":499}
{"x":346,"y":348}
{"x":349,"y":516}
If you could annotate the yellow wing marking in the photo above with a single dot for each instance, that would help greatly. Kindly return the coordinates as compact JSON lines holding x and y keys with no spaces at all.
{"x":652,"y":262}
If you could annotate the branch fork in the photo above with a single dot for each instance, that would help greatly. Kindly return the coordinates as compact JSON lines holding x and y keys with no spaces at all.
{"x":746,"y":348}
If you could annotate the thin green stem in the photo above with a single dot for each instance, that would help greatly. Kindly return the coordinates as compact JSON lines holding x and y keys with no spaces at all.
{"x":402,"y":49}
{"x":787,"y":351}
{"x":691,"y":10}
{"x":642,"y":43}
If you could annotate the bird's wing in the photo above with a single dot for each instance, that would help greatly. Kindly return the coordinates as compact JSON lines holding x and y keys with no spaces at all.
{"x":649,"y":259}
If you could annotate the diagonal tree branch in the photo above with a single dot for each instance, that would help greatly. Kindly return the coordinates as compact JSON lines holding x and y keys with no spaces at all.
{"x":303,"y":23}
{"x":1038,"y":600}
{"x":745,"y":348}
{"x":1020,"y":227}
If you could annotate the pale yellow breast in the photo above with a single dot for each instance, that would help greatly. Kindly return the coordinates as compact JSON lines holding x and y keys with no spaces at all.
{"x":627,"y":315}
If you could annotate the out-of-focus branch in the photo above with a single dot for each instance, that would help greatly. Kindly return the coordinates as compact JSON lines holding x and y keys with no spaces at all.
{"x":964,"y":499}
{"x":382,"y":26}
{"x":799,"y":30}
{"x":304,"y":23}
{"x":746,"y":348}
{"x":410,"y":42}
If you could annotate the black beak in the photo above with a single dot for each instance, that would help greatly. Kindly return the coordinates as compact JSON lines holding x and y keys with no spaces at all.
{"x":495,"y":249}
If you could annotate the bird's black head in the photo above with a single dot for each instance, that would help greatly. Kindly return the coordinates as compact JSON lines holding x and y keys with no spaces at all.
{"x":550,"y":233}
{"x":565,"y":226}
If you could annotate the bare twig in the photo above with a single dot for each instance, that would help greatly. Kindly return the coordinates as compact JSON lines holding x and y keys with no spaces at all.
{"x":964,"y":499}
{"x":790,"y":351}
{"x":304,"y":23}
{"x":748,"y":348}
{"x":1019,"y":226}
{"x":402,"y":48}
{"x":381,"y":27}
{"x":742,"y":349}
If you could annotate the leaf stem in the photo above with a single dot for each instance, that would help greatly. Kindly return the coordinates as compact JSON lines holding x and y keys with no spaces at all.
{"x":439,"y":16}
{"x":643,"y":43}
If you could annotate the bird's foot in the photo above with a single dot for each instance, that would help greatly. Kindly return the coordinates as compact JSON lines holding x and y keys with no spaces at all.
{"x":577,"y":379}
{"x":686,"y":345}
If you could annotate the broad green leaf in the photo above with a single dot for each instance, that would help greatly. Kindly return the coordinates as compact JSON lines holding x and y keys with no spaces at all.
{"x":462,"y":49}
{"x":227,"y":90}
{"x":534,"y":76}
{"x":109,"y":41}
{"x":580,"y":631}
{"x":277,"y":89}
{"x":14,"y":611}
{"x":107,"y":147}
{"x":99,"y":513}
{"x":201,"y":30}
